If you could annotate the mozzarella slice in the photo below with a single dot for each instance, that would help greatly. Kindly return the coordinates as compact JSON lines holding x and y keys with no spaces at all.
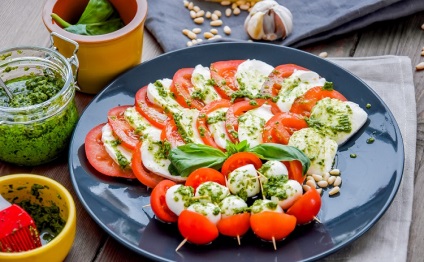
{"x":339,"y":120}
{"x":285,"y":193}
{"x":212,"y":191}
{"x":121,"y":155}
{"x":318,"y":148}
{"x":295,"y":86}
{"x":216,"y":125}
{"x":141,"y":126}
{"x":186,"y":121}
{"x":232,"y":205}
{"x":178,"y":198}
{"x":274,"y":170}
{"x":251,"y":74}
{"x":244,"y":181}
{"x":202,"y":85}
{"x":251,"y":124}
{"x":209,"y":210}
{"x":154,"y":159}
{"x":262,"y":205}
{"x":159,"y":93}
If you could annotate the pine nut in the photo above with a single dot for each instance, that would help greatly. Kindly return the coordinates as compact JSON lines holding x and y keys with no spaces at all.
{"x":218,"y":13}
{"x":236,"y":11}
{"x":309,"y":178}
{"x":422,"y":53}
{"x":214,"y":31}
{"x":228,"y":12}
{"x":185,"y":31}
{"x":311,"y":183}
{"x":216,"y":23}
{"x":335,"y":172}
{"x":225,"y":2}
{"x":199,"y":40}
{"x":338,"y":181}
{"x":227,"y":30}
{"x":326,"y":176}
{"x":422,"y":26}
{"x":420,"y":66}
{"x":306,"y":188}
{"x":191,"y":35}
{"x":193,"y":14}
{"x":190,"y":6}
{"x":317,"y":177}
{"x":199,"y":20}
{"x":322,"y":184}
{"x":323,"y":54}
{"x":186,"y":3}
{"x":334,"y":190}
{"x":194,"y":41}
{"x":214,"y":17}
{"x":189,"y":43}
{"x":319,"y":190}
{"x":197,"y":30}
{"x":196,"y":8}
{"x":208,"y":14}
{"x":241,"y":2}
{"x":207,"y":35}
{"x":244,"y":7}
{"x":200,"y":13}
{"x":331,"y":180}
{"x":217,"y":36}
{"x":234,"y":6}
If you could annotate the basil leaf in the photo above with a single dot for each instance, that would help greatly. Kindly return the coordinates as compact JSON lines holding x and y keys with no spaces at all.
{"x":272,"y":151}
{"x":96,"y":11}
{"x":187,"y":158}
{"x":235,"y":148}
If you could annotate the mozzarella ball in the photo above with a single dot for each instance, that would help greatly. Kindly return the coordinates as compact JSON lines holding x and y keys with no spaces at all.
{"x":244,"y":181}
{"x":274,"y":170}
{"x":209,"y":210}
{"x":232,"y":205}
{"x":178,"y":198}
{"x":212,"y":191}
{"x":262,"y":205}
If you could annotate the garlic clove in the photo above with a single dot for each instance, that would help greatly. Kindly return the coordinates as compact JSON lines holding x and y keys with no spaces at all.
{"x":268,"y":20}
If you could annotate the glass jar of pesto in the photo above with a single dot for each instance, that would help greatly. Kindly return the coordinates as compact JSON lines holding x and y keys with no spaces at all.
{"x":37,"y":123}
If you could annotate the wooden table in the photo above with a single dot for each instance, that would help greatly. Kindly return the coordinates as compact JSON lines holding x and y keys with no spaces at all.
{"x":21,"y":24}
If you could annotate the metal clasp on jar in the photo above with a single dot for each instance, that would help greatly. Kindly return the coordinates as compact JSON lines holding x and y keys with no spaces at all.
{"x":73,"y":60}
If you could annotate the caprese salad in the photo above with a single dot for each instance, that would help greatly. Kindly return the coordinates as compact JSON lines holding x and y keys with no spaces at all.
{"x":241,"y":129}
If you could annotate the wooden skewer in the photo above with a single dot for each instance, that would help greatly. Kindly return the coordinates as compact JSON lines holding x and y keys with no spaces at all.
{"x":181,"y":244}
{"x":148,"y":205}
{"x":238,"y":240}
{"x":316,"y":219}
{"x":275,"y":244}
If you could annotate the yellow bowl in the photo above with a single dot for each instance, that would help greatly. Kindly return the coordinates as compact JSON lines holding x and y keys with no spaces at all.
{"x":19,"y":186}
{"x":101,"y":57}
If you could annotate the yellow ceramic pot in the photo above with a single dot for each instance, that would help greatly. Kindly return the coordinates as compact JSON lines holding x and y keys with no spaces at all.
{"x":18,"y":187}
{"x":101,"y":57}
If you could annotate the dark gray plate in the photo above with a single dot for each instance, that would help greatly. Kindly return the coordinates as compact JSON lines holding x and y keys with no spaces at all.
{"x":370,"y":181}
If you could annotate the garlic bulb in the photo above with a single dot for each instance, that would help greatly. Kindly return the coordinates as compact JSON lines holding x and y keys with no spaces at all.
{"x":268,"y":20}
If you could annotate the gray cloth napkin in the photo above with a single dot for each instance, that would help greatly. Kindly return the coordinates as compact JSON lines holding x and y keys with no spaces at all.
{"x":388,"y":239}
{"x":312,"y":21}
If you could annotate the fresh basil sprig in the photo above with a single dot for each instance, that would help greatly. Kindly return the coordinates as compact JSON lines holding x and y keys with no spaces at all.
{"x":189,"y":157}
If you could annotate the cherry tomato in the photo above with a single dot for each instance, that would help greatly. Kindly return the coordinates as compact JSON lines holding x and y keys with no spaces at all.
{"x":202,"y":125}
{"x":143,"y":175}
{"x":240,"y":159}
{"x":270,"y":226}
{"x":295,"y":170}
{"x":273,"y":84}
{"x":307,"y":207}
{"x":181,"y":84}
{"x":223,"y":73}
{"x":170,"y":133}
{"x":121,"y":128}
{"x":99,"y":158}
{"x":153,"y":113}
{"x":196,"y":228}
{"x":281,"y":126}
{"x":235,"y":225}
{"x":204,"y":174}
{"x":239,"y":108}
{"x":158,"y":202}
{"x":303,"y":105}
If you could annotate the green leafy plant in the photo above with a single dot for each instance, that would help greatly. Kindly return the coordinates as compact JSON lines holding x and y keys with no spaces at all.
{"x":98,"y":18}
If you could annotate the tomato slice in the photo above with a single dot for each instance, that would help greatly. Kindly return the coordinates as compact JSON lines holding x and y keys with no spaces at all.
{"x":272,"y":226}
{"x":121,"y":128}
{"x":143,"y":175}
{"x":153,"y":113}
{"x":99,"y":158}
{"x":204,"y":174}
{"x":239,"y":108}
{"x":202,"y":125}
{"x":272,"y":85}
{"x":303,"y":105}
{"x":196,"y":228}
{"x":170,"y":133}
{"x":281,"y":126}
{"x":240,"y":159}
{"x":235,"y":225}
{"x":181,"y":84}
{"x":223,"y":72}
{"x":158,"y":202}
{"x":295,"y":170}
{"x":306,"y":207}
